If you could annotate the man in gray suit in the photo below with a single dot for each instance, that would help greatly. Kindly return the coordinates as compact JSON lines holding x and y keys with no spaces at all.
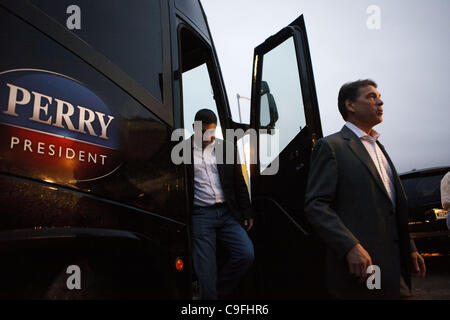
{"x":357,"y":205}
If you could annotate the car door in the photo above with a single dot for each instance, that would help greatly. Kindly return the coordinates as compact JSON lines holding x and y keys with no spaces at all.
{"x":285,"y":117}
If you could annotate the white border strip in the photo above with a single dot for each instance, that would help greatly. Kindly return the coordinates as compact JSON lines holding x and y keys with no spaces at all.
{"x":41,"y":70}
{"x":114,"y":170}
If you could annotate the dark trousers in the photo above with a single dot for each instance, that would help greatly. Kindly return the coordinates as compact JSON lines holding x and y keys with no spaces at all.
{"x":210,"y":225}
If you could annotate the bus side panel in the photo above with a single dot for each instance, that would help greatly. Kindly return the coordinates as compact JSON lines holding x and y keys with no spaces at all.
{"x":77,"y":151}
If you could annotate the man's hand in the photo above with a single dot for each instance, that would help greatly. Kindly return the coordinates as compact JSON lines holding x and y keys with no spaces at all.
{"x":358,"y":260}
{"x":248,"y":223}
{"x":418,"y":264}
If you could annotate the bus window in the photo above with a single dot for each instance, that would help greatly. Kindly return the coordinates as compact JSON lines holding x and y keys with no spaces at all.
{"x":197,"y":84}
{"x":134,"y":45}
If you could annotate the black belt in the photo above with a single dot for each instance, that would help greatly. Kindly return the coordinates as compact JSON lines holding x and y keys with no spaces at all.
{"x":214,"y":206}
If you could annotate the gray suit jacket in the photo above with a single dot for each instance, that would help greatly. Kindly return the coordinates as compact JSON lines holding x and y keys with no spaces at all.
{"x":347,"y":203}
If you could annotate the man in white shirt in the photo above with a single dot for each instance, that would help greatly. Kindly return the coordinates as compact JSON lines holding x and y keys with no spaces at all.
{"x":220,"y":208}
{"x":445,"y":195}
{"x":357,"y":205}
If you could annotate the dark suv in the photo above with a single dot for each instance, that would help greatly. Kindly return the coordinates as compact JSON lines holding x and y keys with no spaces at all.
{"x":427,"y":219}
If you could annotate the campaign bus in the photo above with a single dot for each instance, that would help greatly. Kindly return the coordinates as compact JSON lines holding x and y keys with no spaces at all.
{"x":92,"y":205}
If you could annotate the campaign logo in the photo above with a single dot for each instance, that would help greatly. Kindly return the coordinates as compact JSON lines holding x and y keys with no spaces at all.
{"x":54,"y":128}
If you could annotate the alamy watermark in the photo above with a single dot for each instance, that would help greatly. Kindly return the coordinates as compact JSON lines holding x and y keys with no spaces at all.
{"x":74,"y":20}
{"x":374,"y":20}
{"x":374,"y":279}
{"x":74,"y":280}
{"x":225,"y":153}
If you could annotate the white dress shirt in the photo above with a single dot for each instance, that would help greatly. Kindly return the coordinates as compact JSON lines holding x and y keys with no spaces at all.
{"x":445,"y":191}
{"x":445,"y":195}
{"x":378,"y":158}
{"x":207,"y":188}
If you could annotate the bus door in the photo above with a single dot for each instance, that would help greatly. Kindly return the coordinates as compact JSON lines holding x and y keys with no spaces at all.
{"x":285,"y":116}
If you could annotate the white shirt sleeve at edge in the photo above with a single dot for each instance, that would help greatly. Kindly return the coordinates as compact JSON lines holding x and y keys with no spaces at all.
{"x":445,"y":195}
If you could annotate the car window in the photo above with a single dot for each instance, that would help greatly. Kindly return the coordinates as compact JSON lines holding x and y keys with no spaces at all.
{"x":419,"y":187}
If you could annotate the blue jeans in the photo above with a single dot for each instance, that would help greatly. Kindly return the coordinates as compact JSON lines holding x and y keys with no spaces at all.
{"x":209,"y":225}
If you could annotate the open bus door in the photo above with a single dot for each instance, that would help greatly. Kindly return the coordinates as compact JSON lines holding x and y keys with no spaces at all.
{"x":285,"y":115}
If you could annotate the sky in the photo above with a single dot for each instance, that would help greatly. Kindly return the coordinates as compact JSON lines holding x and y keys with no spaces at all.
{"x":407,"y":55}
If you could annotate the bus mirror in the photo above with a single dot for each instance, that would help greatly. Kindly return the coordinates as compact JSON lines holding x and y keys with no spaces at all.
{"x":264,"y":88}
{"x":268,"y":108}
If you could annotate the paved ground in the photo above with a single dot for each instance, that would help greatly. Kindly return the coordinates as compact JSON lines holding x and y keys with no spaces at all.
{"x":436,"y":285}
